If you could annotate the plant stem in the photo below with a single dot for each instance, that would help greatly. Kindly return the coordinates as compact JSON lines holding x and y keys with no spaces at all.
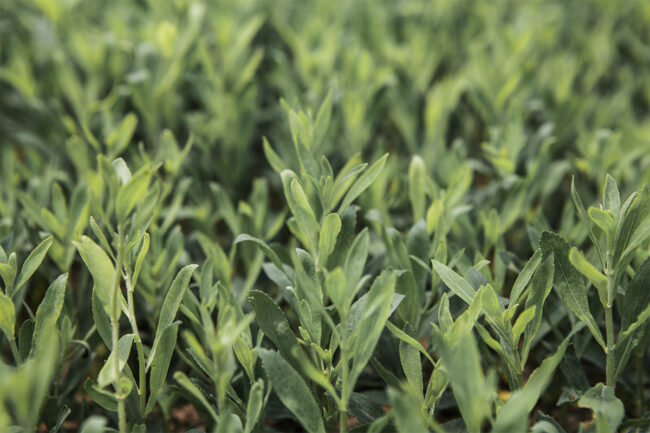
{"x":15,"y":351}
{"x":609,"y":363}
{"x":121,"y":410}
{"x":142,"y":380}
{"x":343,"y":411}
{"x":609,"y":324}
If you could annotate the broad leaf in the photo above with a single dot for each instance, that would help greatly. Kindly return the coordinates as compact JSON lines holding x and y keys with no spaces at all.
{"x":292,"y":391}
{"x":102,"y":270}
{"x":569,"y":284}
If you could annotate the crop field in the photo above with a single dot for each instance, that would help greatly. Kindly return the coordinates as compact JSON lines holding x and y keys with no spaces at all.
{"x":361,"y":216}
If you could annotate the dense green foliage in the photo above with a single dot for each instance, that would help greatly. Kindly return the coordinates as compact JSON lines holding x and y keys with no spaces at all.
{"x":279,"y":216}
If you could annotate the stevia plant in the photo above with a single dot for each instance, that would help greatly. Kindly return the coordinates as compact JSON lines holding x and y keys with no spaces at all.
{"x":132,"y":208}
{"x":617,"y":232}
{"x":329,"y":267}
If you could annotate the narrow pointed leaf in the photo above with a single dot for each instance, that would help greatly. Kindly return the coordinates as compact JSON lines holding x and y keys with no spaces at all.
{"x":363,"y":182}
{"x":49,"y":310}
{"x":32,"y":262}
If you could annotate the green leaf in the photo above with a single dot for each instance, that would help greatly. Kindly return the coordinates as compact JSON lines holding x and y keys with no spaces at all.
{"x":357,"y":309}
{"x":170,"y":306}
{"x":160,"y":363}
{"x":140,"y":260}
{"x":541,"y":286}
{"x":102,"y":270}
{"x":301,"y":209}
{"x":327,"y":240}
{"x":524,"y":277}
{"x":49,"y":310}
{"x":586,"y":220}
{"x":270,"y":254}
{"x":405,"y":411}
{"x":363,"y":182}
{"x":457,"y":284}
{"x":322,"y":120}
{"x":273,"y":158}
{"x":8,"y":271}
{"x":603,"y":402}
{"x":611,"y":196}
{"x":94,"y":424}
{"x":274,"y":324}
{"x":462,"y":364}
{"x":411,"y":364}
{"x":417,"y":187}
{"x":52,"y":223}
{"x":292,"y":391}
{"x":25,"y":339}
{"x":101,"y":396}
{"x":355,"y":262}
{"x":32,"y":263}
{"x":345,"y":239}
{"x":78,"y":212}
{"x":121,"y":170}
{"x":588,"y":270}
{"x":522,"y":322}
{"x":120,"y":137}
{"x":102,"y":320}
{"x":406,"y":338}
{"x":604,"y":219}
{"x":254,"y":406}
{"x":102,"y":239}
{"x":336,"y":289}
{"x":7,"y":316}
{"x":513,"y":415}
{"x":637,"y":295}
{"x":107,"y":375}
{"x":632,"y":226}
{"x":373,"y":319}
{"x":364,"y":408}
{"x":195,"y":392}
{"x":131,"y":193}
{"x":568,"y":282}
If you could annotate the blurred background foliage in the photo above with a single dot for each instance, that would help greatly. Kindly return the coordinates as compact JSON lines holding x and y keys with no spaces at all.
{"x":508,"y":86}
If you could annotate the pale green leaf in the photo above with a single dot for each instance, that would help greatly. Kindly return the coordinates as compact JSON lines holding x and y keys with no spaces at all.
{"x":363,"y":182}
{"x":107,"y":375}
{"x":7,"y":316}
{"x":327,"y":239}
{"x":101,"y":268}
{"x":32,"y":262}
{"x":457,"y":284}
{"x":49,"y":310}
{"x":170,"y":306}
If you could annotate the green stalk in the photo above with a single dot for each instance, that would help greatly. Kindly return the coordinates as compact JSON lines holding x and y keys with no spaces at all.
{"x":121,"y":409}
{"x":609,"y":363}
{"x":609,"y":325}
{"x":343,"y":428}
{"x":344,"y":401}
{"x":142,"y":380}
